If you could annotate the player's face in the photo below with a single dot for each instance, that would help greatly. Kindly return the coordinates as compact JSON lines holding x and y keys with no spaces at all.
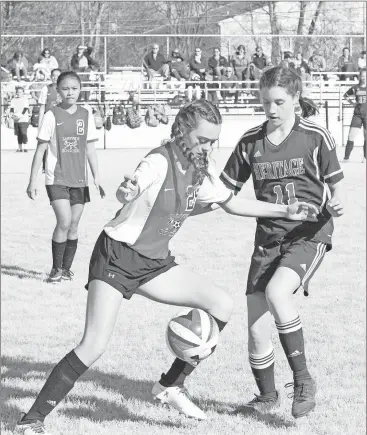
{"x":362,"y":78}
{"x":55,"y":76}
{"x":278,"y":105}
{"x":20,"y":93}
{"x":69,"y":90}
{"x":202,"y":138}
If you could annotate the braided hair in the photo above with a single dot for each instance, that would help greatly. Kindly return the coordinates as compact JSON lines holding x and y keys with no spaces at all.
{"x":286,"y":78}
{"x":187,"y":119}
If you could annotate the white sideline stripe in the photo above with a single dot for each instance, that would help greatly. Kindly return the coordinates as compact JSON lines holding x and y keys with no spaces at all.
{"x":321,"y":247}
{"x":232,"y":182}
{"x":185,"y":333}
{"x":333,"y":173}
{"x":329,"y":141}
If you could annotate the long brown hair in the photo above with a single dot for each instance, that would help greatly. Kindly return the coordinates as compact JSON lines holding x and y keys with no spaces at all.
{"x":187,"y":119}
{"x":286,"y":78}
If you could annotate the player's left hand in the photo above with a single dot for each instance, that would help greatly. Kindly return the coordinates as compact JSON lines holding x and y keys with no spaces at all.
{"x":302,"y":211}
{"x":334,"y":207}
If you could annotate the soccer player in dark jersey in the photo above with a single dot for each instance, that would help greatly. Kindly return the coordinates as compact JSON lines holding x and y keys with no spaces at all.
{"x":132,"y":254}
{"x":68,"y":133}
{"x":356,"y":96}
{"x":290,"y":158}
{"x":49,"y":98}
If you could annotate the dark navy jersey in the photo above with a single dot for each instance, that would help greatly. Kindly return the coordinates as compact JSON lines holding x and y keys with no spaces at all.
{"x":300,"y":168}
{"x":358,"y":92}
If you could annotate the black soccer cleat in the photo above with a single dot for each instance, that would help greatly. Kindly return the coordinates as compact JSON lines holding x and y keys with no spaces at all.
{"x":67,"y":275}
{"x":304,"y":393}
{"x":261,"y":403}
{"x":28,"y":427}
{"x":55,"y":276}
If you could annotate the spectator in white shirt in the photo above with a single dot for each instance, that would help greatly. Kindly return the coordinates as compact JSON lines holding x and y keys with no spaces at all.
{"x":362,"y":60}
{"x":19,"y":108}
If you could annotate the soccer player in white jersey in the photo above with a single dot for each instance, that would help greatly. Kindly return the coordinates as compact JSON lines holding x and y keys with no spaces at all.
{"x":290,"y":158}
{"x":68,"y":133}
{"x":132,"y":254}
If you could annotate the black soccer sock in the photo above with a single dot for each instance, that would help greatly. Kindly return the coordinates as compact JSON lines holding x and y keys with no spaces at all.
{"x":291,"y":338}
{"x":262,"y":366}
{"x":364,"y":148}
{"x":58,"y":250}
{"x":69,"y":253}
{"x":179,"y":370}
{"x":57,"y":386}
{"x":348,"y":149}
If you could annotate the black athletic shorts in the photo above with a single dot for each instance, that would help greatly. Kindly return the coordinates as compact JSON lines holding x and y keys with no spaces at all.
{"x":301,"y":255}
{"x":359,"y":116}
{"x":76,"y":195}
{"x":123,"y":268}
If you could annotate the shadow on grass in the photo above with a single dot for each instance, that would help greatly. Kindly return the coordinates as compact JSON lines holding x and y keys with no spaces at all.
{"x":20,"y":272}
{"x":96,"y":409}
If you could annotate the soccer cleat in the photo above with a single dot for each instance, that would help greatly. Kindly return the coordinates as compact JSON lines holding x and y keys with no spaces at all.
{"x":25,"y":151}
{"x":178,"y":398}
{"x":55,"y":276}
{"x":304,"y":393}
{"x":364,"y":160}
{"x":261,"y":403}
{"x":67,"y":275}
{"x":30,"y":427}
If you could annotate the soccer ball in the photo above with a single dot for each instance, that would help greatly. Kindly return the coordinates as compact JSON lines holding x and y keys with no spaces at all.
{"x":192,"y":335}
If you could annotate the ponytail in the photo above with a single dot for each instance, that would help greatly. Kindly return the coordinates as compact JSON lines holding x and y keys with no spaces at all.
{"x":308,"y":107}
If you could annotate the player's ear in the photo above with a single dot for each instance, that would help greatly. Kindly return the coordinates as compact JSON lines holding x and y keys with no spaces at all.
{"x":296,"y":98}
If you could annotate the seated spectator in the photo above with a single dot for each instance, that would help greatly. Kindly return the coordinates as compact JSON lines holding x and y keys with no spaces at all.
{"x":216,"y":64}
{"x":93,"y":65}
{"x":19,"y":66}
{"x":240,"y":61}
{"x":362,"y":60}
{"x":255,"y":69}
{"x":346,"y":64}
{"x":317,"y":63}
{"x":299,"y":61}
{"x":39,"y":77}
{"x":259,"y":59}
{"x":48,"y":61}
{"x":198,"y":66}
{"x":155,"y":63}
{"x":179,"y":68}
{"x":229,"y":89}
{"x":40,"y":69}
{"x":79,"y":60}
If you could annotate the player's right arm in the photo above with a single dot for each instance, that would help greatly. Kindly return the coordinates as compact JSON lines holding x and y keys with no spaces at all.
{"x":44,"y":136}
{"x":151,"y":169}
{"x":350,"y":95}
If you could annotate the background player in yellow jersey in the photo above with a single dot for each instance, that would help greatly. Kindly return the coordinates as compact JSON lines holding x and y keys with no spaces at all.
{"x":68,"y":134}
{"x":290,"y":158}
{"x":357,"y":97}
{"x":132,"y":254}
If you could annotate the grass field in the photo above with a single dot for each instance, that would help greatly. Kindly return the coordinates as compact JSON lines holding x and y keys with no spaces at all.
{"x":41,"y":323}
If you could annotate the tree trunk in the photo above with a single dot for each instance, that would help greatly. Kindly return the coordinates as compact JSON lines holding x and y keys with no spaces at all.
{"x":275,"y":40}
{"x":301,"y":23}
{"x":312,"y":27}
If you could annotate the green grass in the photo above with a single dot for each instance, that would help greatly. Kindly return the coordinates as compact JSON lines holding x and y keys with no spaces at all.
{"x":41,"y":323}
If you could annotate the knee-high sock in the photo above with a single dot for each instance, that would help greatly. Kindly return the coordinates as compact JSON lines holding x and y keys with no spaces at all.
{"x":262,"y":366}
{"x":179,"y":370}
{"x":69,"y":253}
{"x":348,"y":149}
{"x":291,"y":338}
{"x":57,"y":386}
{"x":58,"y":250}
{"x":364,"y":148}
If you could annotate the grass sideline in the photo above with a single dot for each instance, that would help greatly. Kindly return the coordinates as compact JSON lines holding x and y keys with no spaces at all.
{"x":41,"y":323}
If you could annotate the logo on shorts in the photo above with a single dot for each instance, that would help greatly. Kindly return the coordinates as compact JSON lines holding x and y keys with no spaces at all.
{"x":304,"y":267}
{"x":111,"y":275}
{"x":51,"y":402}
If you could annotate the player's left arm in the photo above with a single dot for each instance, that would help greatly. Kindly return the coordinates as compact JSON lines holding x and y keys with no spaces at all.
{"x":92,"y":138}
{"x":331,"y":173}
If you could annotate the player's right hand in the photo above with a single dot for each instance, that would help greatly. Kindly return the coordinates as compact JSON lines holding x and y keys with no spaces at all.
{"x":129,"y":189}
{"x":32,"y":190}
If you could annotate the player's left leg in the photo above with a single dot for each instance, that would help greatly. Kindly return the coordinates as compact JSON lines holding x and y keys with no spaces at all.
{"x":78,"y":198}
{"x":298,"y":264}
{"x":355,"y":126}
{"x":182,"y":287}
{"x":23,"y":135}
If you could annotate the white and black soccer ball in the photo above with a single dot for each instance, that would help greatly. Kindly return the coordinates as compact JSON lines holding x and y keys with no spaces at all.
{"x":192,"y":335}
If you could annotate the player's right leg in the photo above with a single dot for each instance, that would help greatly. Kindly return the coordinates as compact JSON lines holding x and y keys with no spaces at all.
{"x":103,"y":305}
{"x":60,"y":202}
{"x":355,"y":126}
{"x":182,"y":287}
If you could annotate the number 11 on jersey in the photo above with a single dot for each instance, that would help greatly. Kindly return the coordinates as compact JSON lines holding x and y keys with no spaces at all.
{"x":290,"y":191}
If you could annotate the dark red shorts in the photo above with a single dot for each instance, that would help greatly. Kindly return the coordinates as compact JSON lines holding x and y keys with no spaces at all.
{"x":302,"y":256}
{"x":123,"y":268}
{"x":76,"y":195}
